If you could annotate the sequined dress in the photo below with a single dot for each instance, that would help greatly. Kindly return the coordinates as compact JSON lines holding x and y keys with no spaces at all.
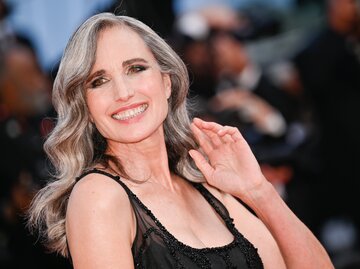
{"x":155,"y":247}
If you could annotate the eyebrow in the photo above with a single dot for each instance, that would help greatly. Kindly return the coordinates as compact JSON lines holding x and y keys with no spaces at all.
{"x":131,"y":61}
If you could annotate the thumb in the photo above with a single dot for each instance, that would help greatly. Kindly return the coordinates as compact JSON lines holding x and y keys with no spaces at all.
{"x":203,"y":165}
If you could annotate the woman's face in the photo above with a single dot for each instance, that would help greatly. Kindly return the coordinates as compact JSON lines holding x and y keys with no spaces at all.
{"x":126,"y":92}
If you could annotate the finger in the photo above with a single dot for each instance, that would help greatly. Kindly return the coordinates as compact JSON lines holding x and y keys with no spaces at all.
{"x":211,"y":129}
{"x":202,"y":139}
{"x":231,"y":131}
{"x":214,"y":138}
{"x":212,"y":126}
{"x":201,"y":163}
{"x":226,"y":138}
{"x":227,"y":134}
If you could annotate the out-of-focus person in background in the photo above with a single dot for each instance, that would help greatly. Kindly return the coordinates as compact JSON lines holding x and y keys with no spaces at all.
{"x":24,"y":102}
{"x":302,"y":96}
{"x":230,"y":88}
{"x":329,"y":67}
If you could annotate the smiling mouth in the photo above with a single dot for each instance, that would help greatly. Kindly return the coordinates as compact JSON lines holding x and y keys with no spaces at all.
{"x":130,"y":113}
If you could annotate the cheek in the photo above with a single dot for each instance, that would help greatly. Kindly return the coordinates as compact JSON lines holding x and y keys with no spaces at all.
{"x":90,"y":105}
{"x":96,"y":106}
{"x":155,"y":89}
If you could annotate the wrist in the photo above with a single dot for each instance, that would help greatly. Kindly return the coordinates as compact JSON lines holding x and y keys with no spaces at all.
{"x":260,"y":195}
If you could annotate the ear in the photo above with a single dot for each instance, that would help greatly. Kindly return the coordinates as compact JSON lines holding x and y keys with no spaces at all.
{"x":167,"y":84}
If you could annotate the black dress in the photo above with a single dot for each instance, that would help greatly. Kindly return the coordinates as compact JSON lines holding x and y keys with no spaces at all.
{"x":155,"y":247}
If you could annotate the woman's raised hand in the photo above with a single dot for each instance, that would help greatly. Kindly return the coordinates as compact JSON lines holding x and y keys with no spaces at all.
{"x":229,"y":163}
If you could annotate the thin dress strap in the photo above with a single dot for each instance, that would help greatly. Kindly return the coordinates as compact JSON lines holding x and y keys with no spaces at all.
{"x":216,"y":204}
{"x":102,"y":172}
{"x":95,"y":170}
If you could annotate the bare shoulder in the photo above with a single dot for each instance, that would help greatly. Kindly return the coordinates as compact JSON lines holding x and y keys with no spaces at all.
{"x":98,"y":194}
{"x":252,"y":228}
{"x":99,"y":223}
{"x":95,"y":186}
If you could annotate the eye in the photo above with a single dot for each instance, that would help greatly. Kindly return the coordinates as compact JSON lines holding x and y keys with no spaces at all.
{"x":98,"y":82}
{"x":136,"y":69}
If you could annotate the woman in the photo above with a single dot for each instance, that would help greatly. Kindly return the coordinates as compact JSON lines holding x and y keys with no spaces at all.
{"x":128,"y":191}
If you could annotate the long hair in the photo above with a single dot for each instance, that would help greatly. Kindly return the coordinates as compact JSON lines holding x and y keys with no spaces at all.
{"x":75,"y":145}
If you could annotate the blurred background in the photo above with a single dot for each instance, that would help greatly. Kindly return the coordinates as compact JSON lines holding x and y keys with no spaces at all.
{"x":285,"y":72}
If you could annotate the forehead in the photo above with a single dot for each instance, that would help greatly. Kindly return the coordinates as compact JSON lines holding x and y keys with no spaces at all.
{"x":120,"y":40}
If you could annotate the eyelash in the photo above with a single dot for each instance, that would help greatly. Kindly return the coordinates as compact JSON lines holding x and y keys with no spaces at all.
{"x":131,"y":70}
{"x":135,"y":69}
{"x":97,"y":82}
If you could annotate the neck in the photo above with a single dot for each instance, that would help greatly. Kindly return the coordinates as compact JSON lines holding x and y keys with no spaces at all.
{"x":144,"y":160}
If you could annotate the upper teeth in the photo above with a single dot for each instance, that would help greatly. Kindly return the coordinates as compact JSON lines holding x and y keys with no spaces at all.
{"x":130,"y":113}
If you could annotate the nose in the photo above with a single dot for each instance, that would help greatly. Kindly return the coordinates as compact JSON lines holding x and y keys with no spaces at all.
{"x":122,"y":90}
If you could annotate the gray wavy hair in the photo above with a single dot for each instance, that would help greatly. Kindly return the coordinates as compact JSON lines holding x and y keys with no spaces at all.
{"x":75,"y":145}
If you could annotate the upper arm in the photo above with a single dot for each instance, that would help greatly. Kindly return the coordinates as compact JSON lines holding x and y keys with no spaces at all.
{"x":253,"y":230}
{"x":99,"y":224}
